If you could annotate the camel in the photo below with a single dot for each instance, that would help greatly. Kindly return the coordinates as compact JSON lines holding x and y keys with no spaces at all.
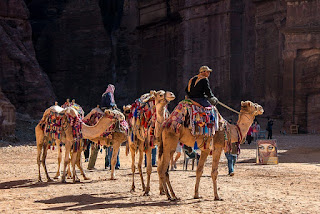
{"x":138,"y":140}
{"x":170,"y":138}
{"x":67,"y":137}
{"x":115,"y":137}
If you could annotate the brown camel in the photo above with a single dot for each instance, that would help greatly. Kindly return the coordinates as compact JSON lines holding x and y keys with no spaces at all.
{"x":146,"y":142}
{"x":67,"y":137}
{"x":170,"y":138}
{"x":113,"y":137}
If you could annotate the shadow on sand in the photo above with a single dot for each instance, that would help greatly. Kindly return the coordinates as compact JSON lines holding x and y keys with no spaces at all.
{"x":94,"y":202}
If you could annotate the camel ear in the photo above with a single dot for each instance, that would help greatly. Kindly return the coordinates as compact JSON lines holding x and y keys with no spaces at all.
{"x":124,"y":107}
{"x":249,"y":103}
{"x":242,"y":103}
{"x":152,"y":92}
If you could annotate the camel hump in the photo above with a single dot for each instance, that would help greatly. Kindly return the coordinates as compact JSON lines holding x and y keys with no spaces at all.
{"x":56,"y":109}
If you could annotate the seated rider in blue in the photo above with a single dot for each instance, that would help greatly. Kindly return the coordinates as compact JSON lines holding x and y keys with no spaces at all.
{"x":107,"y":99}
{"x":198,"y":88}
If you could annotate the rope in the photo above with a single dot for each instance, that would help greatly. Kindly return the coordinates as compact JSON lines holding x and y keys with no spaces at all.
{"x":227,"y":107}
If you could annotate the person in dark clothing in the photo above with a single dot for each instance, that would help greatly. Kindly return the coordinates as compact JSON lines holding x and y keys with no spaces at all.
{"x":199,"y":90}
{"x":107,"y":99}
{"x":191,"y":152}
{"x":269,"y":128}
{"x":87,"y":150}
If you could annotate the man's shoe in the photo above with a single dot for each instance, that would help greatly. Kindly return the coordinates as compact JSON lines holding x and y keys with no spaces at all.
{"x":231,"y":174}
{"x":155,"y":165}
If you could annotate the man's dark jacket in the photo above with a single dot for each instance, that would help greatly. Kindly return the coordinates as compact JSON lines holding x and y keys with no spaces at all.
{"x":200,"y":90}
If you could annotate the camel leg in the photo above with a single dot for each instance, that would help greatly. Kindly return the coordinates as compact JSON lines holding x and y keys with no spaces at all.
{"x":69,"y":176}
{"x":59,"y":161}
{"x":39,"y":148}
{"x":140,"y":165}
{"x":73,"y":165}
{"x":133,"y":167}
{"x":39,"y":140}
{"x":149,"y":170}
{"x":115,"y":146}
{"x":216,"y":153}
{"x":163,"y":164}
{"x":66,"y":161}
{"x":44,"y":156}
{"x":79,"y":164}
{"x":173,"y":195}
{"x":203,"y":158}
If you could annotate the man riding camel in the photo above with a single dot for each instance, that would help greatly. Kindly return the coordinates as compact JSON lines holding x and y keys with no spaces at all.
{"x":199,"y":90}
{"x":107,"y":98}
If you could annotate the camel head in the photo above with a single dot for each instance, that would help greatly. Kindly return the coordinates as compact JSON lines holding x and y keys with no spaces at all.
{"x":114,"y":114}
{"x":164,"y":97}
{"x":148,"y":96}
{"x":250,"y":107}
{"x":126,"y":110}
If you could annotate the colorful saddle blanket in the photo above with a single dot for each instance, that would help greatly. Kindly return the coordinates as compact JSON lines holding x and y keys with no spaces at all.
{"x":141,"y":113}
{"x":200,"y":120}
{"x":53,"y":127}
{"x":122,"y":127}
{"x":76,"y":106}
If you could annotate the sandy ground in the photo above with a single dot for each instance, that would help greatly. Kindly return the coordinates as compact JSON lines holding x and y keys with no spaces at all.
{"x":292,"y":186}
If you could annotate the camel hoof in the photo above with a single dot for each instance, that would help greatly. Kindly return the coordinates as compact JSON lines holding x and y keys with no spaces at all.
{"x":175,"y":199}
{"x":86,"y":178}
{"x":162,"y":193}
{"x":49,"y":180}
{"x":132,"y":190}
{"x":197,"y":197}
{"x":63,"y":181}
{"x":146,"y":194}
{"x":56,"y":177}
{"x":218,"y":199}
{"x":76,"y":180}
{"x":39,"y":180}
{"x":113,"y":179}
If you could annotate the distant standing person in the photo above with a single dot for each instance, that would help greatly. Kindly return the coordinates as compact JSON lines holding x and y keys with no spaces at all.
{"x":256,"y":130}
{"x":249,"y":134}
{"x":232,"y":151}
{"x":178,"y":151}
{"x":269,"y":127}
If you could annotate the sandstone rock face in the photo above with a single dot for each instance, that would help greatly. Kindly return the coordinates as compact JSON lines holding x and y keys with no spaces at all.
{"x":7,"y":116}
{"x":21,"y":78}
{"x":81,"y":48}
{"x":266,"y":51}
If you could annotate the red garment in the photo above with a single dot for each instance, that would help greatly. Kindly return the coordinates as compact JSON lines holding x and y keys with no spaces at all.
{"x":250,"y":131}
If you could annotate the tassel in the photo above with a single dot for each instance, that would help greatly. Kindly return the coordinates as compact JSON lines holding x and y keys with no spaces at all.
{"x":132,"y":139}
{"x":195,"y":145}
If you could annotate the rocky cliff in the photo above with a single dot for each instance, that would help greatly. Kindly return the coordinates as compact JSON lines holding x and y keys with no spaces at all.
{"x":261,"y":50}
{"x":21,"y":78}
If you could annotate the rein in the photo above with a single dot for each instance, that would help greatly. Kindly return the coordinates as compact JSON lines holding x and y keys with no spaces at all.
{"x":227,"y":107}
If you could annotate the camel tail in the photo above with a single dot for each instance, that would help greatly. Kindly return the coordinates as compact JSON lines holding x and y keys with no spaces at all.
{"x":160,"y":144}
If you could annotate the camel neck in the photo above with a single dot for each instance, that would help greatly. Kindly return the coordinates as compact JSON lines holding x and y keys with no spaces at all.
{"x":90,"y":132}
{"x":244,"y":122}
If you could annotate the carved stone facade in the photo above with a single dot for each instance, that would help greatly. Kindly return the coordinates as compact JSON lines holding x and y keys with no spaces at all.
{"x":301,"y":79}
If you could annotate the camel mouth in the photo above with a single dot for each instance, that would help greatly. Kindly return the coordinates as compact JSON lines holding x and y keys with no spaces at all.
{"x":169,"y":96}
